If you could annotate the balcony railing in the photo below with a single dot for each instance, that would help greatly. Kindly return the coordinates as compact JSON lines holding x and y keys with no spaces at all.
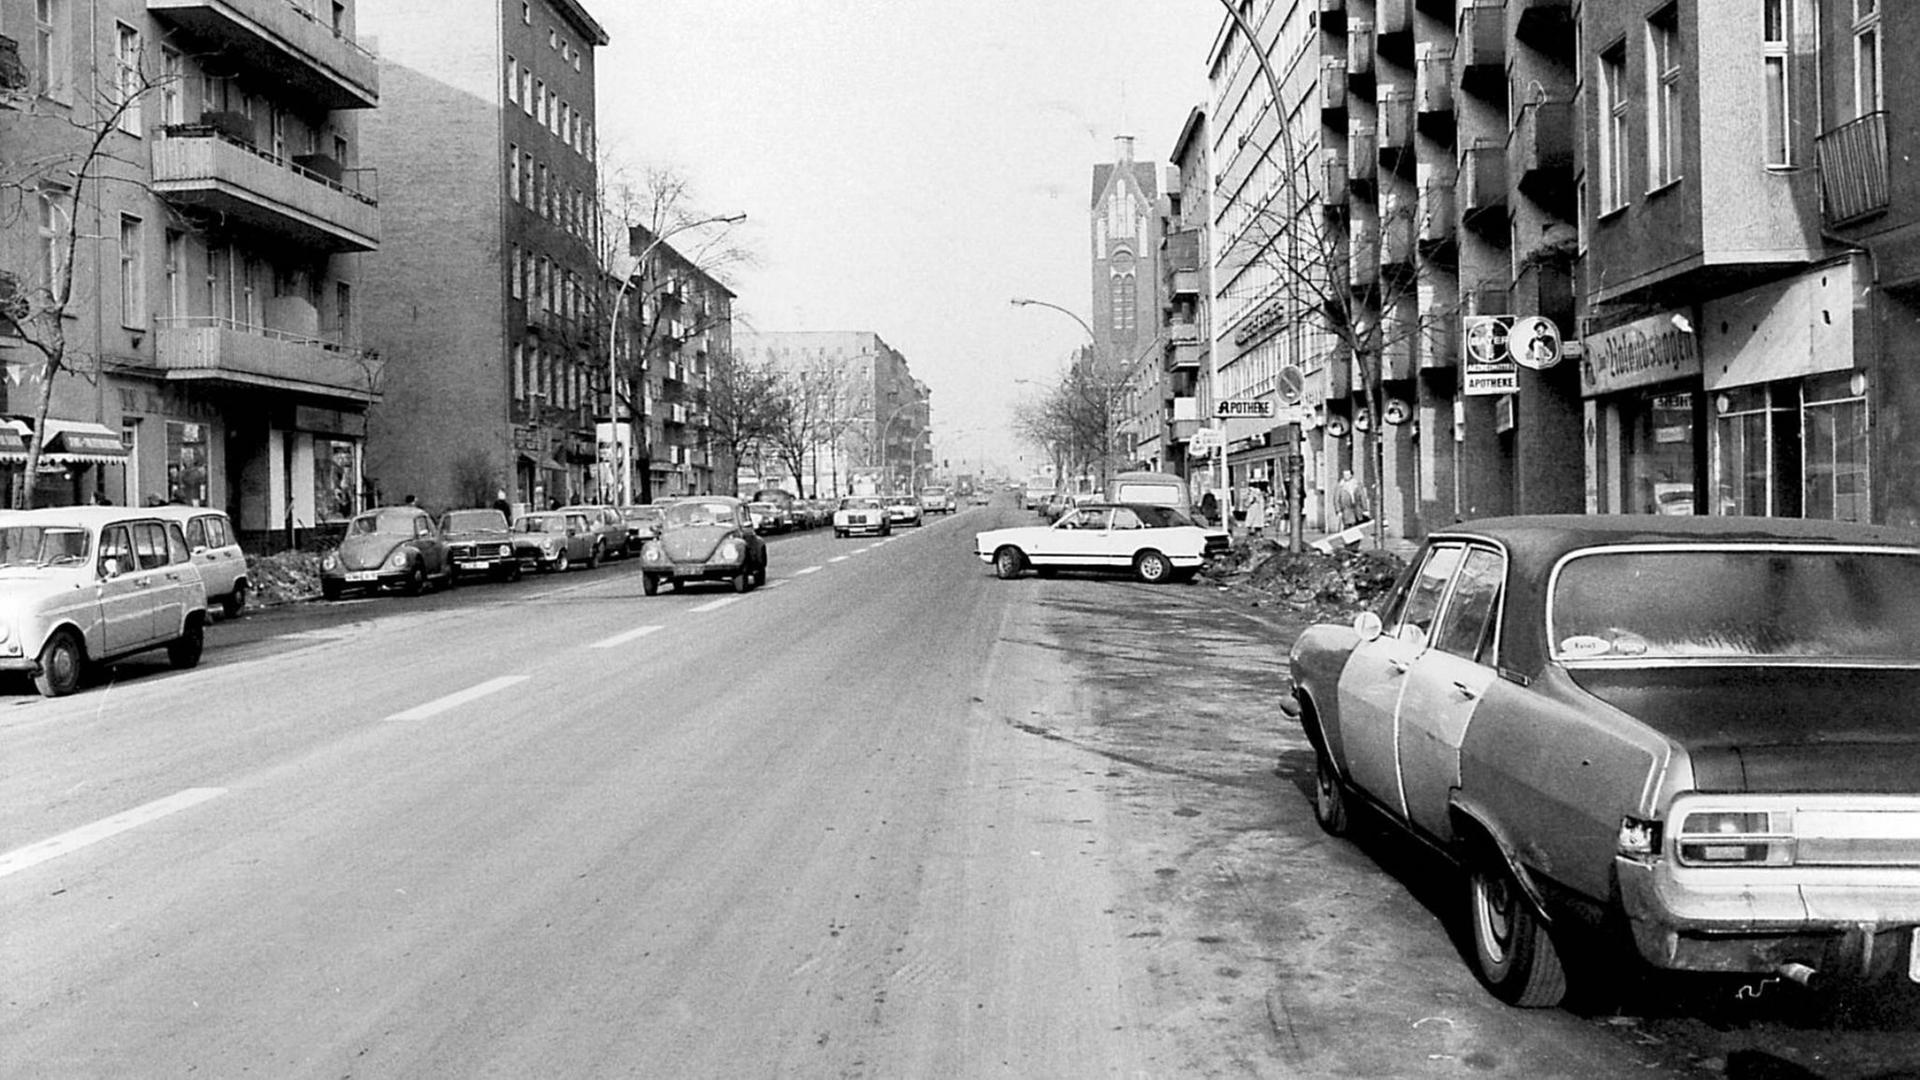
{"x":285,"y":42}
{"x":214,"y":349}
{"x":1433,"y":81}
{"x":1396,"y":118}
{"x":1333,"y":84}
{"x":1853,"y":168}
{"x":1480,"y":50}
{"x":1360,"y":49}
{"x":194,"y":165}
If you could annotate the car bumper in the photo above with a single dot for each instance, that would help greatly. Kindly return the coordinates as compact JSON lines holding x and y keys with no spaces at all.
{"x":697,"y":571}
{"x":368,"y":579}
{"x":875,"y":527}
{"x":1852,"y":922}
{"x":488,"y":565}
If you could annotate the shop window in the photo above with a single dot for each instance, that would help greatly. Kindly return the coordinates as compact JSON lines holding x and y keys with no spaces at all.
{"x":1833,"y":423}
{"x":187,"y":463}
{"x":1757,"y":451}
{"x":334,"y":482}
{"x":1657,"y":454}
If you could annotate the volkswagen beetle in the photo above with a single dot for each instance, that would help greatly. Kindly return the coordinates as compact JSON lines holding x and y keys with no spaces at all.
{"x":393,"y":547}
{"x":705,"y":538}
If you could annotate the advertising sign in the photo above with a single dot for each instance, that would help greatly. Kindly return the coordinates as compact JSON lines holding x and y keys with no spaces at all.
{"x":1259,"y":409}
{"x":1489,"y":367}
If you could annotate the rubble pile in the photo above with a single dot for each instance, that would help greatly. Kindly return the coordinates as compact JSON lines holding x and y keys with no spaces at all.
{"x":283,"y":578}
{"x":1328,"y":588}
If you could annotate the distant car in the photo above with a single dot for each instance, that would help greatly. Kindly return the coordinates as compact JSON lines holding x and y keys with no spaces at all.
{"x":1055,"y":505}
{"x":862,"y":514}
{"x":216,"y":554}
{"x":480,"y":543}
{"x":769,"y":518}
{"x":705,"y":538}
{"x":1689,"y":739}
{"x":610,"y":532}
{"x":643,"y":522}
{"x":904,"y":510}
{"x":555,"y":541}
{"x":1156,"y":544}
{"x":394,"y":547}
{"x":84,"y":585}
{"x":936,"y":500}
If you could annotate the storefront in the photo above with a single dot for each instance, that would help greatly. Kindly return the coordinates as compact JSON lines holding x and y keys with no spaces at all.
{"x":1645,"y":418}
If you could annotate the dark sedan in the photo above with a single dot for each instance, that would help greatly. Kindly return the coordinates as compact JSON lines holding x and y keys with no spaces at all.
{"x":479,"y":544}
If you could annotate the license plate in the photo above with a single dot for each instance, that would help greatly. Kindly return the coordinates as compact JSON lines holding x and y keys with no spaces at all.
{"x":363,"y":575}
{"x":473,"y":566}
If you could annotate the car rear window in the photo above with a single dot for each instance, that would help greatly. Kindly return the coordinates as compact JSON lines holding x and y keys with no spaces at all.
{"x":1799,"y":605}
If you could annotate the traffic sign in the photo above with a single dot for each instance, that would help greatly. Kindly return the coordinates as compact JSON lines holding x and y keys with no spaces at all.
{"x":1259,"y":409}
{"x":1206,"y":438}
{"x":1535,"y":341}
{"x":1290,"y":385}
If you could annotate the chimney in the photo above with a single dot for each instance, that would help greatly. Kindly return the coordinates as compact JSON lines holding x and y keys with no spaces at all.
{"x":1123,"y":149}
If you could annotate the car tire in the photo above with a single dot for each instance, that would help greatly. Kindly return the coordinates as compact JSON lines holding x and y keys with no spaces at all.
{"x":650,"y":584}
{"x":416,"y":582}
{"x":235,"y":601}
{"x":839,"y":534}
{"x":1330,"y":806}
{"x":184,"y":651}
{"x":593,"y":558}
{"x":330,"y":590}
{"x":741,"y":581}
{"x":1511,"y":951}
{"x":1152,"y":568}
{"x":513,"y":572}
{"x":562,"y":562}
{"x":453,"y":577}
{"x":1008,"y":562}
{"x":62,"y":661}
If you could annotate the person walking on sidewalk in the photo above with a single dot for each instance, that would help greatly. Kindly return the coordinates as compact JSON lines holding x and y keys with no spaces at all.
{"x":1350,"y":501}
{"x":1256,"y":511}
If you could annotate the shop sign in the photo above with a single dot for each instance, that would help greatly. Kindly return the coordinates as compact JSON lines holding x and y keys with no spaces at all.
{"x":1645,"y":352}
{"x":1489,"y":367}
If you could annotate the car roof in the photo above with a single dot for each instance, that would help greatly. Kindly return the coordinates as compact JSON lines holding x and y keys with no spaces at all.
{"x":95,"y":516}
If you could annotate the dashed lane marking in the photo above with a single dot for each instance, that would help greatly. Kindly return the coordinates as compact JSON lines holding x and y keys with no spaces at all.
{"x":839,"y":558}
{"x":618,"y":640}
{"x":806,"y":570}
{"x":68,"y":842}
{"x":715,"y":605}
{"x":471,"y":693}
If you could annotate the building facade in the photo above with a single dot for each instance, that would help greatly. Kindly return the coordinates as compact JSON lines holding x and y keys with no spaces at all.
{"x":1123,"y":218}
{"x":876,"y":418}
{"x":487,"y":301}
{"x":680,"y":320}
{"x":215,"y":352}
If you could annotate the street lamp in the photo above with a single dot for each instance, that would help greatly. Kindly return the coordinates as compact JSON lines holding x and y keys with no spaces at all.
{"x":1092,"y":338}
{"x":880,"y":436}
{"x":625,"y":492}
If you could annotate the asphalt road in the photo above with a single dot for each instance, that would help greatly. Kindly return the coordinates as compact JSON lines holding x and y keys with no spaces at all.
{"x":888,"y":817}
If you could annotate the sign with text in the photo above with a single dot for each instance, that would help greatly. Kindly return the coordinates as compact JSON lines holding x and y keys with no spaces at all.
{"x":1260,"y":409}
{"x":1644,"y":352}
{"x":1489,"y":368}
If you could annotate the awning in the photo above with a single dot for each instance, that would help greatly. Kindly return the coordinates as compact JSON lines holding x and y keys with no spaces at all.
{"x":13,"y":440}
{"x":77,"y":442}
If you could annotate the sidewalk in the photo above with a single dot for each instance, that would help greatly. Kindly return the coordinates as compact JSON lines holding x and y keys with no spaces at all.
{"x":1360,"y":537}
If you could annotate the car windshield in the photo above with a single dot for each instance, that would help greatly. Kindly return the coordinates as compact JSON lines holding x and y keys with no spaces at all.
{"x":541,"y":523}
{"x":860,"y":504}
{"x":905,"y":500}
{"x":1800,"y":605}
{"x":641,"y":514}
{"x":473,"y":521}
{"x":699,"y":513}
{"x":43,"y":545}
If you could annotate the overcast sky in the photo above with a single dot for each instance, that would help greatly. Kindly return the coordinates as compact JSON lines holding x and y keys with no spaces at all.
{"x":909,"y":166}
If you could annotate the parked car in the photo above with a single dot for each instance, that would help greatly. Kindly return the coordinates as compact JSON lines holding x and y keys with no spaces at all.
{"x":84,"y":585}
{"x":1155,"y":543}
{"x":216,"y":554}
{"x":393,"y":547}
{"x":643,"y":522}
{"x":769,"y":518}
{"x":706,"y":538}
{"x":862,"y":514}
{"x":554,"y":540}
{"x":936,"y":499}
{"x":1695,"y":733}
{"x":1055,"y":505}
{"x":610,"y":532}
{"x":480,"y":542}
{"x":904,"y":510}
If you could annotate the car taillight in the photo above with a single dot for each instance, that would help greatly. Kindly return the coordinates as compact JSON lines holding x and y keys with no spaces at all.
{"x":1735,"y":838}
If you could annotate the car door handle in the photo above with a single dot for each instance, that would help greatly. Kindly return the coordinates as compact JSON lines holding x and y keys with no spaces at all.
{"x":143,"y":583}
{"x":1399,"y":666}
{"x":1466,"y":691}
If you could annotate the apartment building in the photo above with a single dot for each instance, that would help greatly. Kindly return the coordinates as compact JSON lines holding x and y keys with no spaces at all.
{"x":487,"y":301}
{"x":214,"y":353}
{"x":681,"y":319}
{"x":879,"y":415}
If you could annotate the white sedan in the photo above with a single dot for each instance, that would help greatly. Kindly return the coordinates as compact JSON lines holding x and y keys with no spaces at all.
{"x":1155,"y":543}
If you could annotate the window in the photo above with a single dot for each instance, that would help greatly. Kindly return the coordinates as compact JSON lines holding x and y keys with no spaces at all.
{"x":526,"y":178}
{"x":1866,"y":57}
{"x":566,"y":121}
{"x":1757,"y":452}
{"x":519,"y":371}
{"x":133,"y":286}
{"x":1663,"y":98}
{"x":176,"y":256}
{"x":343,"y":310}
{"x":187,"y":463}
{"x":526,"y":12}
{"x":540,"y":101}
{"x":49,"y":48}
{"x":513,"y":281}
{"x":553,"y":37}
{"x":52,"y":258}
{"x":127,"y":76}
{"x":173,"y":74}
{"x":513,"y":172}
{"x":1773,"y":59}
{"x":1613,"y":129}
{"x":335,"y":479}
{"x":1466,"y":628}
{"x":1423,"y":599}
{"x":1833,"y":424}
{"x":526,"y":91}
{"x":513,"y":80}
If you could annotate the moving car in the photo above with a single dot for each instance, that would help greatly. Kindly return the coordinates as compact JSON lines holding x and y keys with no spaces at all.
{"x":479,"y":542}
{"x":862,"y":514}
{"x":393,"y":547}
{"x":84,"y":585}
{"x":216,"y":554}
{"x":555,"y":540}
{"x":705,"y":538}
{"x":937,"y":500}
{"x":1696,"y":734}
{"x":1155,"y":543}
{"x":904,"y":510}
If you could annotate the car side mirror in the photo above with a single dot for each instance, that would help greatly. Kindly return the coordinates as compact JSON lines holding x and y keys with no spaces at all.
{"x":1368,"y":626}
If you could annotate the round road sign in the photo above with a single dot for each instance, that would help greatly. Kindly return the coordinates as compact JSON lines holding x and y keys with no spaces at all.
{"x":1290,"y":386}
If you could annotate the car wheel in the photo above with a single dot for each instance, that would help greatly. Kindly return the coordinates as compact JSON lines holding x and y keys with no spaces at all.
{"x":1329,"y":796}
{"x":513,"y":572}
{"x":650,"y":584}
{"x":184,"y":651}
{"x":1512,"y":952}
{"x":839,"y":534}
{"x":236,"y":601}
{"x":453,"y":577}
{"x":330,"y":590}
{"x":1152,"y":568}
{"x":562,"y":562}
{"x":1008,"y":562}
{"x":61,"y":662}
{"x":760,"y":576}
{"x":416,"y":582}
{"x":593,"y":558}
{"x":740,"y":581}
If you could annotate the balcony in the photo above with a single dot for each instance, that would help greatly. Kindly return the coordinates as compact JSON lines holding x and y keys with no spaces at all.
{"x":1333,"y":178}
{"x":1439,"y":344}
{"x":1397,"y":231}
{"x":1185,"y":355}
{"x":215,"y":350}
{"x":1336,"y":372}
{"x":1433,"y":82}
{"x":1436,"y":212}
{"x":1363,"y":240}
{"x":1545,"y":23}
{"x":195,"y":166}
{"x":1332,"y":12}
{"x":1360,"y":49}
{"x":1480,"y":49}
{"x":1394,"y":17}
{"x":1853,"y":169}
{"x":1183,"y":333}
{"x":1333,"y":86}
{"x":1363,"y":157}
{"x":280,"y":42}
{"x":1481,"y":190}
{"x":1396,"y":120}
{"x":1401,"y":330}
{"x":1540,"y":152}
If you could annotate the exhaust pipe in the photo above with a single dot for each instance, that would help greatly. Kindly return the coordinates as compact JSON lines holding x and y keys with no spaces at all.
{"x":1799,"y":973}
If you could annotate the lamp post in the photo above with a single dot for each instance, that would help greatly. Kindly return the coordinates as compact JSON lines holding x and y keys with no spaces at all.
{"x":1106,"y":401}
{"x":880,"y":436}
{"x":625,"y":492}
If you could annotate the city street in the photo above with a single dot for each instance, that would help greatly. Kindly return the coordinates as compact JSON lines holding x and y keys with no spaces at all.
{"x":886,"y":817}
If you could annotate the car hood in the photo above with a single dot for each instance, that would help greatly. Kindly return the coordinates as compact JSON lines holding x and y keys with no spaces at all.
{"x":692,"y":543}
{"x":367,"y":552}
{"x":1761,"y":729}
{"x":478,"y":536}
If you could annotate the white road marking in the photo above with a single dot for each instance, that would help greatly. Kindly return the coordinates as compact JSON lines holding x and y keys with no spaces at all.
{"x":67,"y":842}
{"x":714,"y":605}
{"x":621,"y":639}
{"x":806,"y":570}
{"x":471,"y":693}
{"x":839,"y":558}
{"x":776,"y":583}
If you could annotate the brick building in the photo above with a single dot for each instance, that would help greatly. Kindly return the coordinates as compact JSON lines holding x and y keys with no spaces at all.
{"x":485,"y":299}
{"x":213,"y":333}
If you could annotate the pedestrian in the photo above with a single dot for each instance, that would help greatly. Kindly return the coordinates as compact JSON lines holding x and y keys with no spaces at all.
{"x":1350,"y":501}
{"x":501,"y":504}
{"x":1209,"y":508}
{"x":410,"y":501}
{"x":1256,"y":511}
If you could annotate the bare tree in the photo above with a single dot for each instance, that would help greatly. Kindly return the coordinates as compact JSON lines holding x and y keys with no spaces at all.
{"x":744,"y":407}
{"x":1077,"y":420}
{"x":817,"y":409}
